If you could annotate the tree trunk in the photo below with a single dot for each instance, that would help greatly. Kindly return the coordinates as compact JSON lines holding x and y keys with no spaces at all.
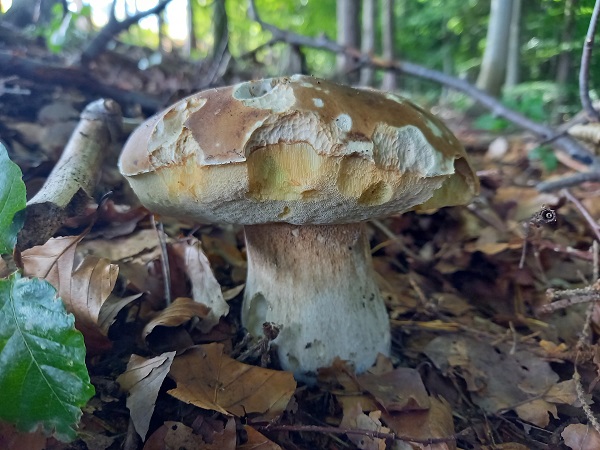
{"x":31,"y":12}
{"x":513,"y":59}
{"x":387,"y":42}
{"x":347,"y":35}
{"x":565,"y":57}
{"x":191,"y":43}
{"x":220,"y":30}
{"x":493,"y":66}
{"x":367,"y":43}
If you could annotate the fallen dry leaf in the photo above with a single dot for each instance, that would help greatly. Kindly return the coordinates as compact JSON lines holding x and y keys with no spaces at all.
{"x":177,"y":436}
{"x":177,"y":313}
{"x":83,"y":290}
{"x":12,"y":439}
{"x":209,"y":379}
{"x":496,"y":377}
{"x":581,"y":437}
{"x":142,"y":380}
{"x":537,"y":412}
{"x":257,"y":441}
{"x":355,"y":419}
{"x":398,"y":390}
{"x":205,"y":287}
{"x":436,"y":422}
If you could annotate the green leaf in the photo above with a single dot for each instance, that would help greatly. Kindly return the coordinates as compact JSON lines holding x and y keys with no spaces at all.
{"x":43,"y":378}
{"x":12,"y":200}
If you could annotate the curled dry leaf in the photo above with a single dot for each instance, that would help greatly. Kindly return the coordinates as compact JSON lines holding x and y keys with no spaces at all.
{"x":176,"y":436}
{"x":209,"y":379}
{"x":177,"y":313}
{"x":205,"y":287}
{"x":142,"y":380}
{"x":581,"y":437}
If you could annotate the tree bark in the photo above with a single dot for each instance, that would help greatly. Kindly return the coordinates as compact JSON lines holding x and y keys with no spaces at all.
{"x":347,"y":35}
{"x":513,"y":59}
{"x":387,"y":42}
{"x":493,"y":66}
{"x":367,"y":44}
{"x":29,"y":12}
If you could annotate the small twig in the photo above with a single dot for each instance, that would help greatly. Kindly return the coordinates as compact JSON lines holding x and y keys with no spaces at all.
{"x":584,"y":72}
{"x":584,"y":212}
{"x":572,"y":180}
{"x":164,"y":260}
{"x":369,"y":433}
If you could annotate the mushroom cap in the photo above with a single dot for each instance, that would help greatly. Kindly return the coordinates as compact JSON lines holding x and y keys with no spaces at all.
{"x":297,"y":150}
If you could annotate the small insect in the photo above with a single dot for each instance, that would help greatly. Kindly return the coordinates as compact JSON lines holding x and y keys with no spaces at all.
{"x":544,"y":216}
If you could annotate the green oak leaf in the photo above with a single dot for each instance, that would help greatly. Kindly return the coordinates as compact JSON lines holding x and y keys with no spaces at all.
{"x":43,"y":378}
{"x":12,"y":200}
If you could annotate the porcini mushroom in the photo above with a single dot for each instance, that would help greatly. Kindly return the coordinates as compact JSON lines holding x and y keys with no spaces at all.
{"x":302,"y":163}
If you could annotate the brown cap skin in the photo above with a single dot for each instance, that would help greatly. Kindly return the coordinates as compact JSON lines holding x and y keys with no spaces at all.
{"x":298,"y":150}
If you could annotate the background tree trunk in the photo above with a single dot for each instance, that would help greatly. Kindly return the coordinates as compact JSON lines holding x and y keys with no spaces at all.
{"x":348,"y":35}
{"x":367,"y":43}
{"x":191,"y":43}
{"x":493,"y":66}
{"x":513,"y":59}
{"x":220,"y":29}
{"x":387,"y":42}
{"x":28,"y":12}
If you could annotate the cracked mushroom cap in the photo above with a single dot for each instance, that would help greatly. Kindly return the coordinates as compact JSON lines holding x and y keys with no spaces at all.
{"x":298,"y":150}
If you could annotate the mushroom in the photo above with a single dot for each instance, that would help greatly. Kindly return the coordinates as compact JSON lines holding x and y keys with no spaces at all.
{"x":301,"y":163}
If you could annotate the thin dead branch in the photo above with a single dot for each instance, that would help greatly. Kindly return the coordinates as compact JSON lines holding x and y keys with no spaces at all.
{"x":113,"y":28}
{"x":584,"y":71}
{"x":595,"y":227}
{"x":568,"y":181}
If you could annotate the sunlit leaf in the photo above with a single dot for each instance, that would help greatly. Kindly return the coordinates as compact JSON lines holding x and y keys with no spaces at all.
{"x":43,"y":377}
{"x":12,"y":200}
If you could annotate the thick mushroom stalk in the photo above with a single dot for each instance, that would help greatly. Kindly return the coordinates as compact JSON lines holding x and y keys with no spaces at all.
{"x":317,"y":283}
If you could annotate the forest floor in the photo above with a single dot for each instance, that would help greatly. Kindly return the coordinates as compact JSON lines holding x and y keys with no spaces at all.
{"x":479,"y":359}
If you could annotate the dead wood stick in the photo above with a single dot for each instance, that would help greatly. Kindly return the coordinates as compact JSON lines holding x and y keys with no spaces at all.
{"x":569,"y":145}
{"x":70,"y":186}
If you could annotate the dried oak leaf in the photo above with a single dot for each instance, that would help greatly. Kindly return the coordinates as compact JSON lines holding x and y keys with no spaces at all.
{"x":176,"y":436}
{"x":209,"y":379}
{"x":142,"y":380}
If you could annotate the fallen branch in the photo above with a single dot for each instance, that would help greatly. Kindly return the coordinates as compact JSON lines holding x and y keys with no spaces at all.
{"x":70,"y":77}
{"x":70,"y":186}
{"x":567,"y":144}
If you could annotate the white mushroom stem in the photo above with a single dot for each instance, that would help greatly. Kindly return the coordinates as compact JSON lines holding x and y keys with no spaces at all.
{"x":317,"y":283}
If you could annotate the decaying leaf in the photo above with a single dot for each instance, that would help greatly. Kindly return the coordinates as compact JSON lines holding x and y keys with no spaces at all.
{"x":398,"y":390}
{"x":537,"y":412}
{"x":496,"y":377}
{"x":355,"y":419}
{"x":581,"y":437}
{"x":257,"y":441}
{"x":205,"y":287}
{"x":176,"y":436}
{"x":142,"y":380}
{"x":209,"y":379}
{"x":177,"y":313}
{"x":436,"y":422}
{"x":13,"y":439}
{"x":83,"y":291}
